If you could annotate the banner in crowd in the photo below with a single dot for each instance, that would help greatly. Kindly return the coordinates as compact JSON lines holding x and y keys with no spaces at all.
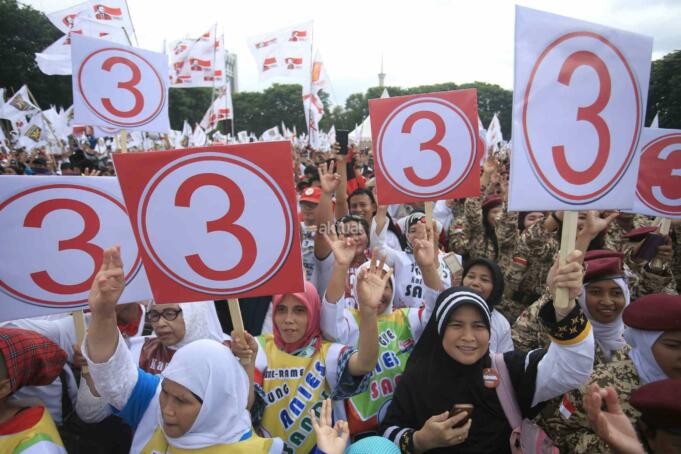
{"x":214,"y":223}
{"x":119,"y":86}
{"x":579,"y":98}
{"x":55,"y":230}
{"x":18,"y":106}
{"x":426,"y":146}
{"x":284,"y":53}
{"x":112,"y":12}
{"x":658,"y":191}
{"x":198,"y":62}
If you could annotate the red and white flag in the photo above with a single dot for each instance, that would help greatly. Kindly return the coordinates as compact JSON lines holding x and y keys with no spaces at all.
{"x":285,"y":53}
{"x":221,"y":109}
{"x":56,"y":59}
{"x":198,"y":62}
{"x":64,"y":18}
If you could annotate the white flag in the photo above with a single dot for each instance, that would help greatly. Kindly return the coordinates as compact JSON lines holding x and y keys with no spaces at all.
{"x":271,"y":135}
{"x":114,"y":13}
{"x":242,"y":136}
{"x":64,"y":18}
{"x":494,"y":136}
{"x":285,"y":53}
{"x":198,"y":138}
{"x":320,"y":78}
{"x":186,"y":129}
{"x":221,"y":109}
{"x":19,"y":105}
{"x":198,"y":62}
{"x":56,"y":59}
{"x":656,"y":122}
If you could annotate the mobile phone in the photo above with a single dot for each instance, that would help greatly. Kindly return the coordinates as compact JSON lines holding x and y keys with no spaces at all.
{"x":342,"y":139}
{"x":648,"y":248}
{"x":452,"y":262}
{"x":458,"y":408}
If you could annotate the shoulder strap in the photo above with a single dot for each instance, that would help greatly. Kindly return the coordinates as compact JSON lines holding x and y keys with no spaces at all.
{"x":505,"y":391}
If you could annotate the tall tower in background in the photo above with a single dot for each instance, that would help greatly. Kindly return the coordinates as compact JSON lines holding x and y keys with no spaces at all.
{"x":381,"y":75}
{"x":231,"y":70}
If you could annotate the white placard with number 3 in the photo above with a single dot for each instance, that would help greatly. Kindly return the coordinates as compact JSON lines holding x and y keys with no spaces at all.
{"x":54,"y":231}
{"x":580,"y":93}
{"x":119,"y":86}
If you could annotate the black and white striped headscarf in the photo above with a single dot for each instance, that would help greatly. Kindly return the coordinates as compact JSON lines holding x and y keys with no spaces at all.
{"x":451,"y":299}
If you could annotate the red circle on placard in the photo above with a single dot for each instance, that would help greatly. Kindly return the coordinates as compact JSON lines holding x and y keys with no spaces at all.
{"x":146,"y":243}
{"x":457,"y":182}
{"x":544,"y":181}
{"x":66,"y":304}
{"x":643,"y":188}
{"x":112,"y":120}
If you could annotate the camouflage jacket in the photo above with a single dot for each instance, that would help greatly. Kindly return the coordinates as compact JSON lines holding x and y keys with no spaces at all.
{"x":564,"y":419}
{"x":615,"y":240}
{"x":528,"y":332}
{"x":646,"y":280}
{"x":467,"y":234}
{"x":525,"y":278}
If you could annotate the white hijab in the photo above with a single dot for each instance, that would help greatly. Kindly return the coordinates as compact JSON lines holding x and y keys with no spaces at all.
{"x":610,"y":336}
{"x":641,"y":354}
{"x":365,"y":266}
{"x":210,"y":370}
{"x":200,"y":322}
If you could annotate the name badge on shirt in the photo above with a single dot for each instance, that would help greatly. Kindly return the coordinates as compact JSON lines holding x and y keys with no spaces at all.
{"x":490,"y":377}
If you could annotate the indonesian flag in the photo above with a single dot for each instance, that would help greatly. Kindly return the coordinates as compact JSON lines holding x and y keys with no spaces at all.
{"x":56,"y":59}
{"x":221,"y":109}
{"x":19,"y":106}
{"x":198,"y":62}
{"x":285,"y":53}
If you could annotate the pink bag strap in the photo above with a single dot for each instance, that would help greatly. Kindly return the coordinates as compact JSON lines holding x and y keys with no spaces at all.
{"x":505,"y":391}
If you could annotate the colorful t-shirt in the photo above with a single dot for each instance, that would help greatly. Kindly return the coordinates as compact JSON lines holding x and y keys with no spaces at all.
{"x":31,"y":431}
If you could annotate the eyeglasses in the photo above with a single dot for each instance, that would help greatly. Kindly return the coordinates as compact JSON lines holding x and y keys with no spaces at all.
{"x":168,"y":314}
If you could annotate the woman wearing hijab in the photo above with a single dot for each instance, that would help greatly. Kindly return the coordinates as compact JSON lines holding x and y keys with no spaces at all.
{"x":398,"y":331}
{"x":296,"y":369}
{"x":485,"y":277}
{"x":174,"y":325}
{"x":409,"y":288}
{"x":653,"y":331}
{"x":451,"y":365}
{"x":197,"y":403}
{"x":605,"y":295}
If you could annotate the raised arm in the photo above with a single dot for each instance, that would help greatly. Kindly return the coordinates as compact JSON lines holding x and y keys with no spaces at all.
{"x":107,"y":287}
{"x":324,"y":217}
{"x":343,"y":249}
{"x":370,"y":286}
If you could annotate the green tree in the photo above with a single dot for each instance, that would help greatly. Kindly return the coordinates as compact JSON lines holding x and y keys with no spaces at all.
{"x":664,"y":95}
{"x":23,"y":32}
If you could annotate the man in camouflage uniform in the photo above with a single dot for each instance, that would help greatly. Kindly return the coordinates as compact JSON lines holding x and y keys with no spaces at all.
{"x":564,"y":419}
{"x":467,"y":233}
{"x":525,"y":277}
{"x":623,"y":224}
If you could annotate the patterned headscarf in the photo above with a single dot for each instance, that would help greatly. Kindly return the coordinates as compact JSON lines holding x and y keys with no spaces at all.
{"x":30,"y":358}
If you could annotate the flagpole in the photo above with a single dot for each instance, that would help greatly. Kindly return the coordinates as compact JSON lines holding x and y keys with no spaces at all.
{"x":133,"y":25}
{"x":45,"y":120}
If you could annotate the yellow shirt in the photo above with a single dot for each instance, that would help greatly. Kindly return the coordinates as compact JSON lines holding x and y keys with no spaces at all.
{"x":158,"y":445}
{"x":42,"y":438}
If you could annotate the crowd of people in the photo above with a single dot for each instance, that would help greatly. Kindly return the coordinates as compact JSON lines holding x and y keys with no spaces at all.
{"x":410,"y":335}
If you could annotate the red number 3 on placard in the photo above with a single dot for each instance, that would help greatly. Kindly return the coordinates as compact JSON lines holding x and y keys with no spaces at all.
{"x":35,"y":218}
{"x":590,"y":114}
{"x":431,"y":145}
{"x":130,"y":85}
{"x":223,"y":224}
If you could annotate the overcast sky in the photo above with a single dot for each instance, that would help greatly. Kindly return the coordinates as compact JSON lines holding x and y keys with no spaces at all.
{"x":422,"y":42}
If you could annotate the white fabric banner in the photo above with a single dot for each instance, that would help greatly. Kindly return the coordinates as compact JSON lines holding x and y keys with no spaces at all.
{"x":579,"y":98}
{"x":198,"y":62}
{"x":285,"y":53}
{"x":18,"y":106}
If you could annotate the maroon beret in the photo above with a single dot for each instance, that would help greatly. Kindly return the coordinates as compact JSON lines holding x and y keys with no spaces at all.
{"x":640,"y":233}
{"x":659,"y":403}
{"x":603,"y":268}
{"x":492,"y":201}
{"x":601,"y":254}
{"x":657,"y":312}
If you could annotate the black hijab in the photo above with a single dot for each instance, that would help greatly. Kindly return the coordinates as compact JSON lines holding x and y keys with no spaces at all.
{"x":433,"y":382}
{"x":497,"y":278}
